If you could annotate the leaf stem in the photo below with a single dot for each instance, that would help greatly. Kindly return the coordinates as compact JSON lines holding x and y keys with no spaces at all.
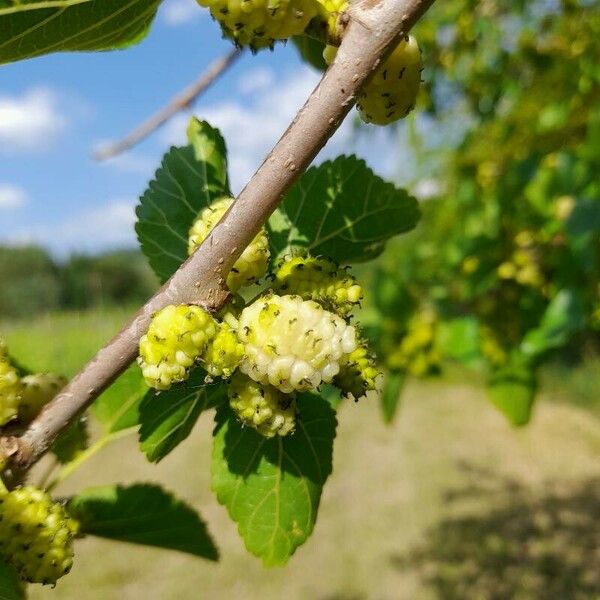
{"x":84,"y":456}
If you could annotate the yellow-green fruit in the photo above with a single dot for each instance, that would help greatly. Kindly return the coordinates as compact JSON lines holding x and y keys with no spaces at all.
{"x":417,"y":352}
{"x":329,"y":53}
{"x":331,"y":10}
{"x":177,"y":336}
{"x":260,"y":23}
{"x":223,"y":353}
{"x":491,"y":347}
{"x":321,"y":280}
{"x":358,"y":374}
{"x":262,"y":407}
{"x":37,"y":391}
{"x":251,"y":265}
{"x":10,"y":391}
{"x":392,"y":92}
{"x":36,"y":535}
{"x":293,"y":344}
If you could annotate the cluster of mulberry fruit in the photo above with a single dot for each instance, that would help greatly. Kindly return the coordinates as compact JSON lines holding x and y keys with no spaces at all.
{"x":293,"y":337}
{"x":22,"y":398}
{"x":36,"y":535}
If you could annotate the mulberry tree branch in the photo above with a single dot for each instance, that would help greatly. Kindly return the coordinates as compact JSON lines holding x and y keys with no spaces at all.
{"x":180,"y":102}
{"x":374,"y":27}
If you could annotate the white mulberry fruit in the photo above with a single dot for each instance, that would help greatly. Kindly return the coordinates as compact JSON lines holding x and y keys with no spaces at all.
{"x":223,"y":353}
{"x":293,"y":344}
{"x":392,"y":92}
{"x":262,"y":407}
{"x":321,"y":280}
{"x":177,"y":336}
{"x":358,"y":374}
{"x":10,"y":391}
{"x":36,"y":535}
{"x":259,"y":23}
{"x":37,"y":391}
{"x":251,"y":265}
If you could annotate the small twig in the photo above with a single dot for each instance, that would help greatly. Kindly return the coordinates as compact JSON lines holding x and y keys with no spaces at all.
{"x":180,"y":102}
{"x":375,"y":26}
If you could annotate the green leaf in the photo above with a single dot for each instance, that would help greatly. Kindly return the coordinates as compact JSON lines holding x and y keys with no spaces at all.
{"x":188,"y":180}
{"x":390,"y":397}
{"x":167,"y":418}
{"x":142,"y":514}
{"x":272,"y":487}
{"x":38,"y":27}
{"x":71,"y":442}
{"x":342,"y":210}
{"x":458,"y":339}
{"x":311,"y":51}
{"x":11,"y":587}
{"x":209,"y":147}
{"x":118,"y":407}
{"x":563,"y":317}
{"x":512,"y":389}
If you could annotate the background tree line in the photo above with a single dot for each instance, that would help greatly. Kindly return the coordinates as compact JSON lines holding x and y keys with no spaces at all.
{"x":34,"y":282}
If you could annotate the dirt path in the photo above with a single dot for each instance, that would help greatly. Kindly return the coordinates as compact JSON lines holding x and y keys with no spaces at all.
{"x":448,"y":503}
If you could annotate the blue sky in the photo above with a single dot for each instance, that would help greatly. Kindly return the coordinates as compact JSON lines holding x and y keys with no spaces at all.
{"x":55,"y":110}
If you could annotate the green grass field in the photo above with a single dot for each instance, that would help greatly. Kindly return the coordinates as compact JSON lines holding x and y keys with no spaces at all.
{"x":449,"y":502}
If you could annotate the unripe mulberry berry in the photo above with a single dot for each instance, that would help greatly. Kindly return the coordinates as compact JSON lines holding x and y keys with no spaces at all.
{"x":358,"y":374}
{"x":259,"y":24}
{"x":293,"y":344}
{"x":176,"y":337}
{"x":392,"y":92}
{"x":37,"y":391}
{"x":331,"y":10}
{"x":321,"y":280}
{"x":36,"y":535}
{"x":251,"y":265}
{"x":230,"y":313}
{"x":418,"y":352}
{"x":262,"y":407}
{"x":223,"y":353}
{"x":10,"y":391}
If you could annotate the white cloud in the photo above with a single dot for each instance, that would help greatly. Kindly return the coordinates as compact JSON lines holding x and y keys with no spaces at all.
{"x":130,"y":162}
{"x":32,"y":121}
{"x":12,"y":197}
{"x":179,"y":12}
{"x":107,"y":226}
{"x":256,"y":80}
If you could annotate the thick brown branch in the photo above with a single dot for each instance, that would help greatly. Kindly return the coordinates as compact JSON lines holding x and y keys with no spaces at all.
{"x":374,"y":26}
{"x":180,"y":102}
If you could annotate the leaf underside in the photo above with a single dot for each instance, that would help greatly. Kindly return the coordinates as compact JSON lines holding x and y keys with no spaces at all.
{"x":142,"y":514}
{"x":11,"y":587}
{"x":37,"y":27}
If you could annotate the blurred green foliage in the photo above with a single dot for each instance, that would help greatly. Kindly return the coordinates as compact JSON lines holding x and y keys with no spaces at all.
{"x":33,"y":282}
{"x":507,"y":257}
